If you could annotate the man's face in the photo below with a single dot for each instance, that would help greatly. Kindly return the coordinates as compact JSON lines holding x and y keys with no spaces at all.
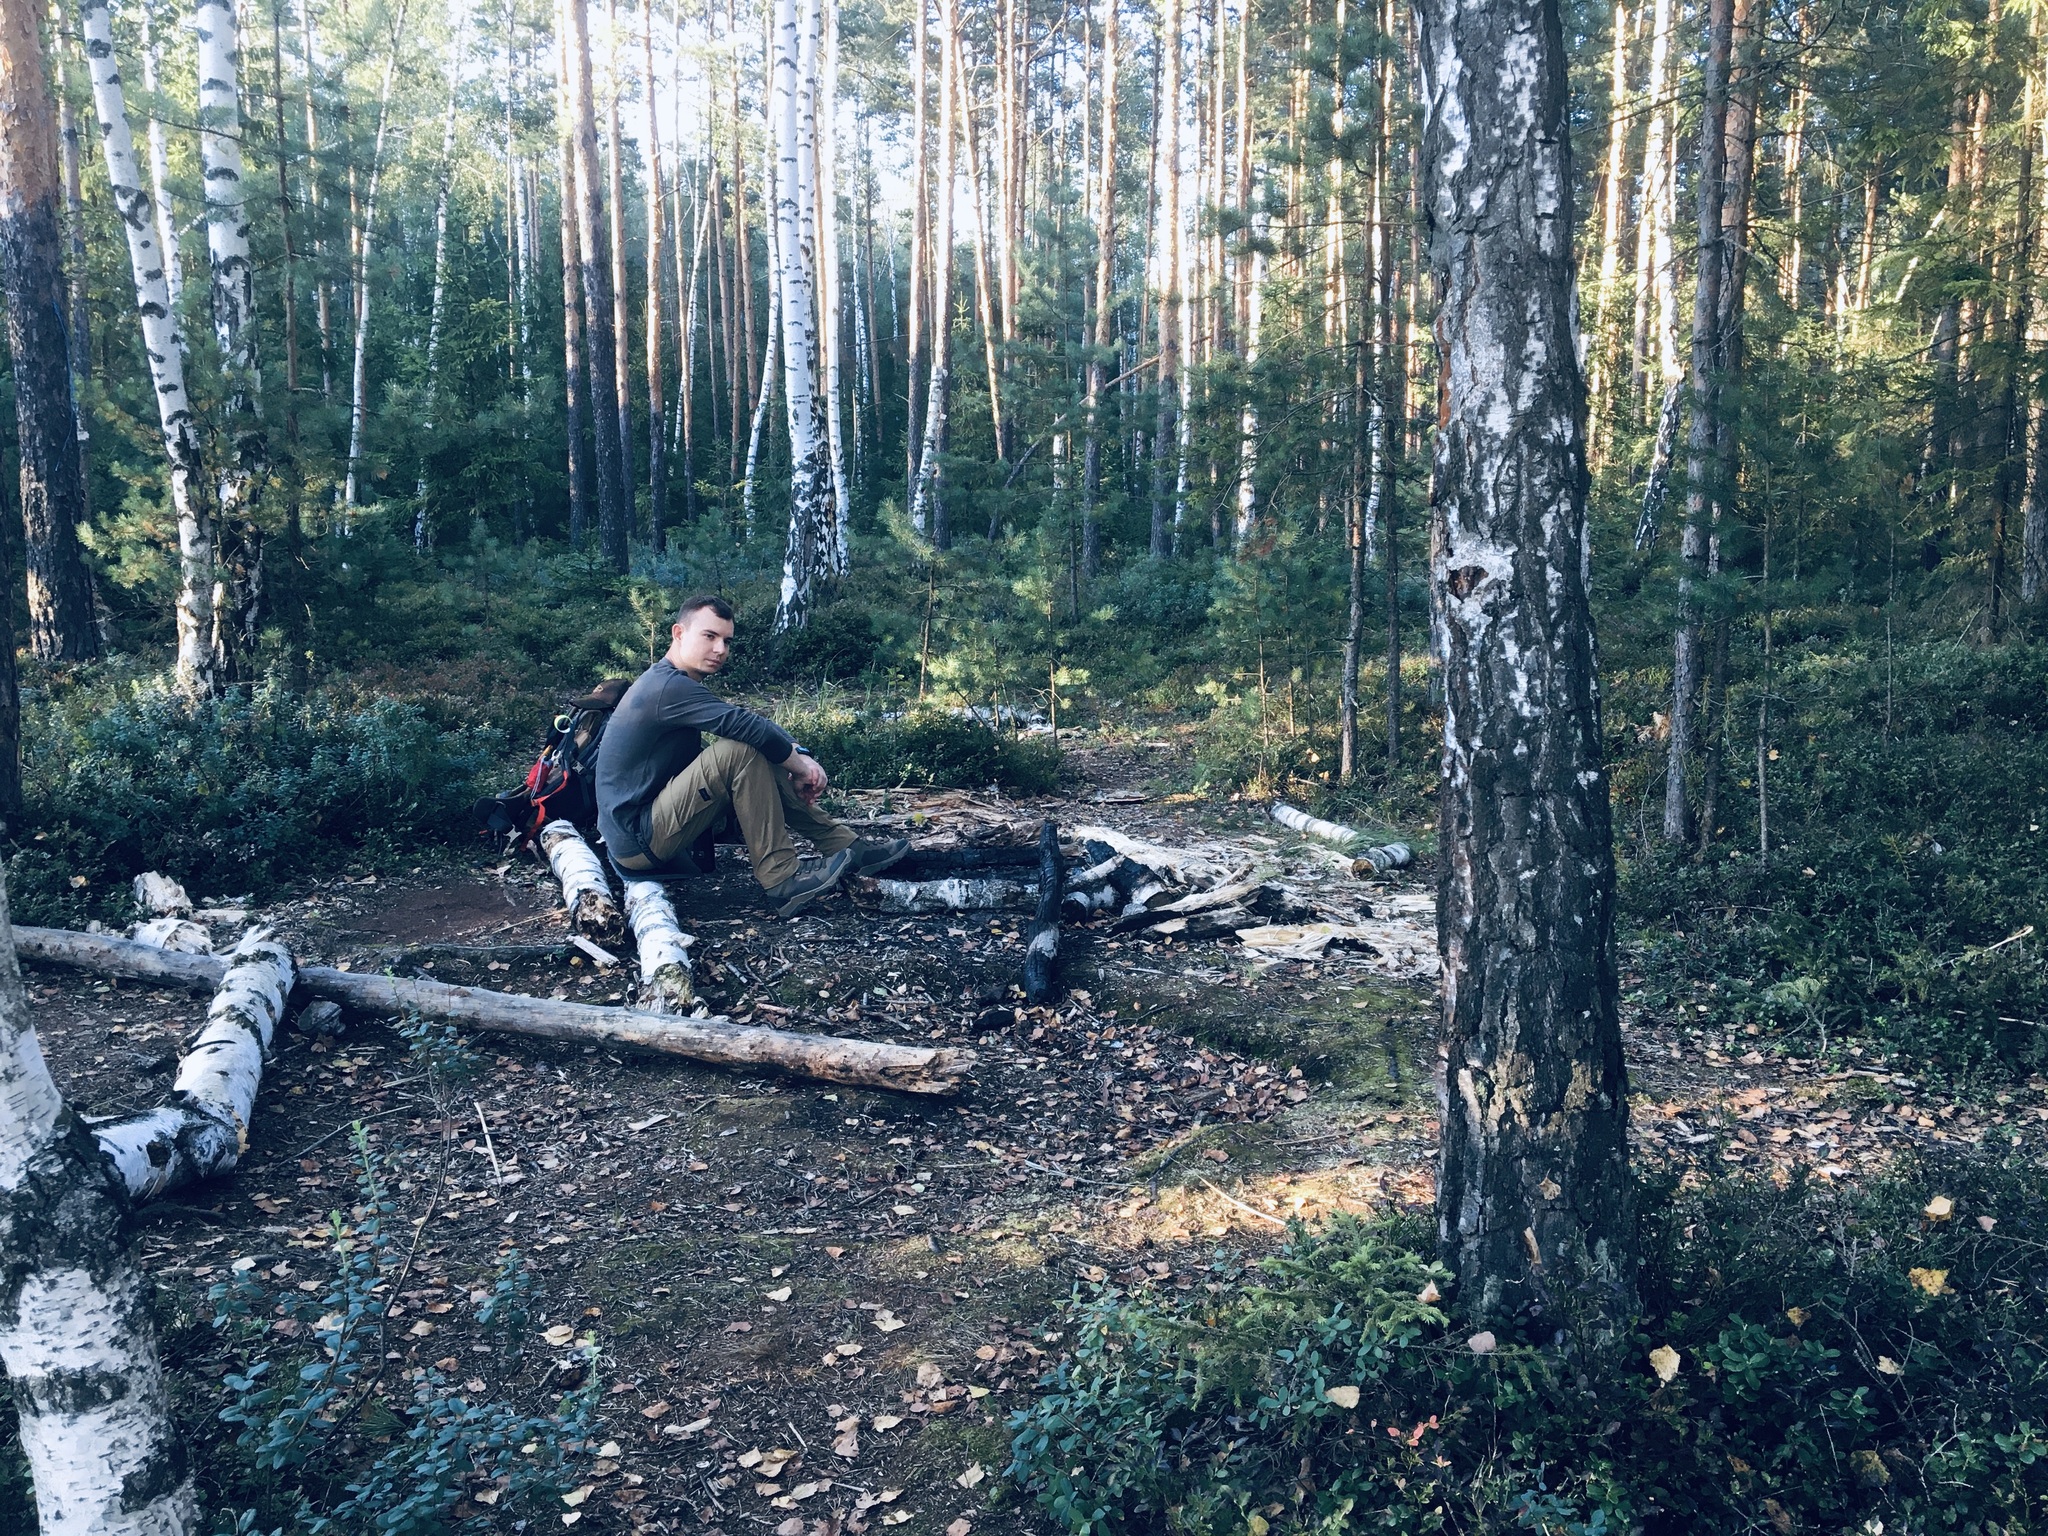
{"x":700,"y":644}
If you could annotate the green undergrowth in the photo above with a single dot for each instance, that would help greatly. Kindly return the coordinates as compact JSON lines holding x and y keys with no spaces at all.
{"x":1844,"y":1361}
{"x":921,"y":748}
{"x":232,"y":796}
{"x":1904,"y":900}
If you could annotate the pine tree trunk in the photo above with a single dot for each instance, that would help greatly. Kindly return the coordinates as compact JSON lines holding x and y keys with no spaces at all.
{"x":32,"y":270}
{"x":657,"y":469}
{"x":622,"y":319}
{"x":322,"y":308}
{"x":1707,"y":359}
{"x":1167,"y":117}
{"x":576,"y":388}
{"x":164,"y":344}
{"x":359,"y":373}
{"x":600,"y":343}
{"x":984,"y":296}
{"x":806,"y":562}
{"x":78,"y":1340}
{"x":1105,"y":302}
{"x":1533,"y":1190}
{"x":1614,"y":199}
{"x":77,"y":276}
{"x":1651,"y":196}
{"x":294,"y":526}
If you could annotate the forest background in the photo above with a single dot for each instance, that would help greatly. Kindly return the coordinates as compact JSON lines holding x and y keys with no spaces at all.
{"x":1063,"y":359}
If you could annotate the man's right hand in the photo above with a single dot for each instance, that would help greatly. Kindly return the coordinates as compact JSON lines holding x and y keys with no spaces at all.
{"x":806,"y":776}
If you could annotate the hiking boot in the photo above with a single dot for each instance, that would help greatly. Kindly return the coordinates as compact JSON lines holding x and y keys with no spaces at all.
{"x":872,"y":855}
{"x":806,"y":886}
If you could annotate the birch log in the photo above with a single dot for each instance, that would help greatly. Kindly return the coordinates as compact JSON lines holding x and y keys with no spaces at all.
{"x":585,"y":891}
{"x":204,"y":1128}
{"x":77,"y":1339}
{"x":664,"y":948}
{"x":719,"y":1041}
{"x":1313,"y":826}
{"x":955,"y":895}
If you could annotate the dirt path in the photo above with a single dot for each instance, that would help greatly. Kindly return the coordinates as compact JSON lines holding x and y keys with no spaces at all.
{"x":859,"y":1286}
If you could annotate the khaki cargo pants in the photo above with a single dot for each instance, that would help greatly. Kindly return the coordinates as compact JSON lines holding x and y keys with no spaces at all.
{"x":729,"y":775}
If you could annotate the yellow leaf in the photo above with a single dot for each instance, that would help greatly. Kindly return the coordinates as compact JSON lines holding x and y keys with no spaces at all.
{"x":1343,"y":1397}
{"x":1257,"y":1525}
{"x":1664,"y":1361}
{"x":576,"y":1497}
{"x":1933,"y":1281}
{"x":1887,"y":1366}
{"x":1798,"y":1316}
{"x":1940,"y":1208}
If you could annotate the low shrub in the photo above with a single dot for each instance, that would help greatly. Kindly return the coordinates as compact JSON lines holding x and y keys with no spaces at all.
{"x":1843,"y":1361}
{"x":1909,"y":819}
{"x":231,"y":796}
{"x":922,"y":749}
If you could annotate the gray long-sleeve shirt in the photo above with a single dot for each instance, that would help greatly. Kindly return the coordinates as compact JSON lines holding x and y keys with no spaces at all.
{"x":655,"y":733}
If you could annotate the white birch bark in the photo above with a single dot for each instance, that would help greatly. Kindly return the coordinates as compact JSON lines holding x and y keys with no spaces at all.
{"x":160,"y":164}
{"x":419,"y":521}
{"x":664,"y":948}
{"x":1650,"y":204}
{"x":1248,"y":418}
{"x":926,"y":514}
{"x":585,"y":891}
{"x":359,"y":381}
{"x":825,"y":117}
{"x":772,"y":352}
{"x":812,"y":500}
{"x":165,"y":345}
{"x":204,"y":1127}
{"x":76,"y":1336}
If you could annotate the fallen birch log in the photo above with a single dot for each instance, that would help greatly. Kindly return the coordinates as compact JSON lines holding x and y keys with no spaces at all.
{"x":1378,"y":860}
{"x":956,"y":895}
{"x":664,"y":948}
{"x":1042,"y":952}
{"x":585,"y":891}
{"x":907,"y":1069}
{"x":179,"y":933}
{"x":1177,"y":866}
{"x":204,"y":1128}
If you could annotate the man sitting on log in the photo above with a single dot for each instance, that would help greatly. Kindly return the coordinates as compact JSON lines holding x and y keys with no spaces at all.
{"x":660,"y":787}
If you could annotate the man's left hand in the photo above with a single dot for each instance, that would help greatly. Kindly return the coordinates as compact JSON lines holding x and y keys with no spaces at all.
{"x":806,"y":776}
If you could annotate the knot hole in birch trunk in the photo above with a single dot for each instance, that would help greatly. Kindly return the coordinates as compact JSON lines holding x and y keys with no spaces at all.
{"x":1465,"y":580}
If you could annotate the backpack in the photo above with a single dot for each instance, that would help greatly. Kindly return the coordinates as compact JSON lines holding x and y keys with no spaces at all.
{"x":562,"y":783}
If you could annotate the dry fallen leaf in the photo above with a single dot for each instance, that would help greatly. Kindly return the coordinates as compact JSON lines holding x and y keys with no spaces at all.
{"x":793,"y":1526}
{"x":929,"y":1375}
{"x":1664,"y":1361}
{"x":1933,"y":1281}
{"x":1940,"y":1208}
{"x":888,"y":1321}
{"x":835,"y":1253}
{"x":609,"y":1451}
{"x":572,"y":1517}
{"x":810,"y":1490}
{"x":781,"y":1294}
{"x":972,"y":1476}
{"x":1343,"y":1397}
{"x":1482,"y":1343}
{"x":751,"y":1459}
{"x":899,"y":1516}
{"x":488,"y":1496}
{"x":579,"y":1495}
{"x":960,"y":1527}
{"x":903,"y":1210}
{"x":887,"y":1420}
{"x":1429,"y":1295}
{"x":559,"y":1335}
{"x":1887,"y":1366}
{"x":654,"y":1410}
{"x":847,"y":1350}
{"x":1987,"y":1222}
{"x":846,"y":1444}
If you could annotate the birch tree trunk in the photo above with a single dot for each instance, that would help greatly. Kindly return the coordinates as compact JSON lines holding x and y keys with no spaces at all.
{"x":1533,"y":1190}
{"x":1105,"y":304}
{"x":1614,"y":199}
{"x":1705,"y":388}
{"x":1248,"y":417}
{"x":920,"y":230}
{"x":1650,"y":199}
{"x":984,"y":296}
{"x":78,"y":1340}
{"x":160,"y":161}
{"x":812,"y":499}
{"x":586,"y":194}
{"x":164,"y":344}
{"x":928,"y":497}
{"x":830,"y":300}
{"x":422,"y":525}
{"x":575,"y":386}
{"x":762,"y":402}
{"x":39,"y":346}
{"x":323,"y":312}
{"x":359,"y":373}
{"x":1165,"y":442}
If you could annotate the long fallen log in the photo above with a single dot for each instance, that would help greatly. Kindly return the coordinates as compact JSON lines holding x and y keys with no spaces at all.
{"x":864,"y":1063}
{"x":204,"y":1127}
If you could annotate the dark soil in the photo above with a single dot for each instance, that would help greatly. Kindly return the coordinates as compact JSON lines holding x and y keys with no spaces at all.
{"x":856,"y":1284}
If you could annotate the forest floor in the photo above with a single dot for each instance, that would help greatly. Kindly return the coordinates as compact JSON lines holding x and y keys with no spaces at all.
{"x":814,"y":1307}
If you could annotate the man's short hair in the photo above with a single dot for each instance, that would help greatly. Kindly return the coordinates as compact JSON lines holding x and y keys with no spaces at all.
{"x":718,"y":605}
